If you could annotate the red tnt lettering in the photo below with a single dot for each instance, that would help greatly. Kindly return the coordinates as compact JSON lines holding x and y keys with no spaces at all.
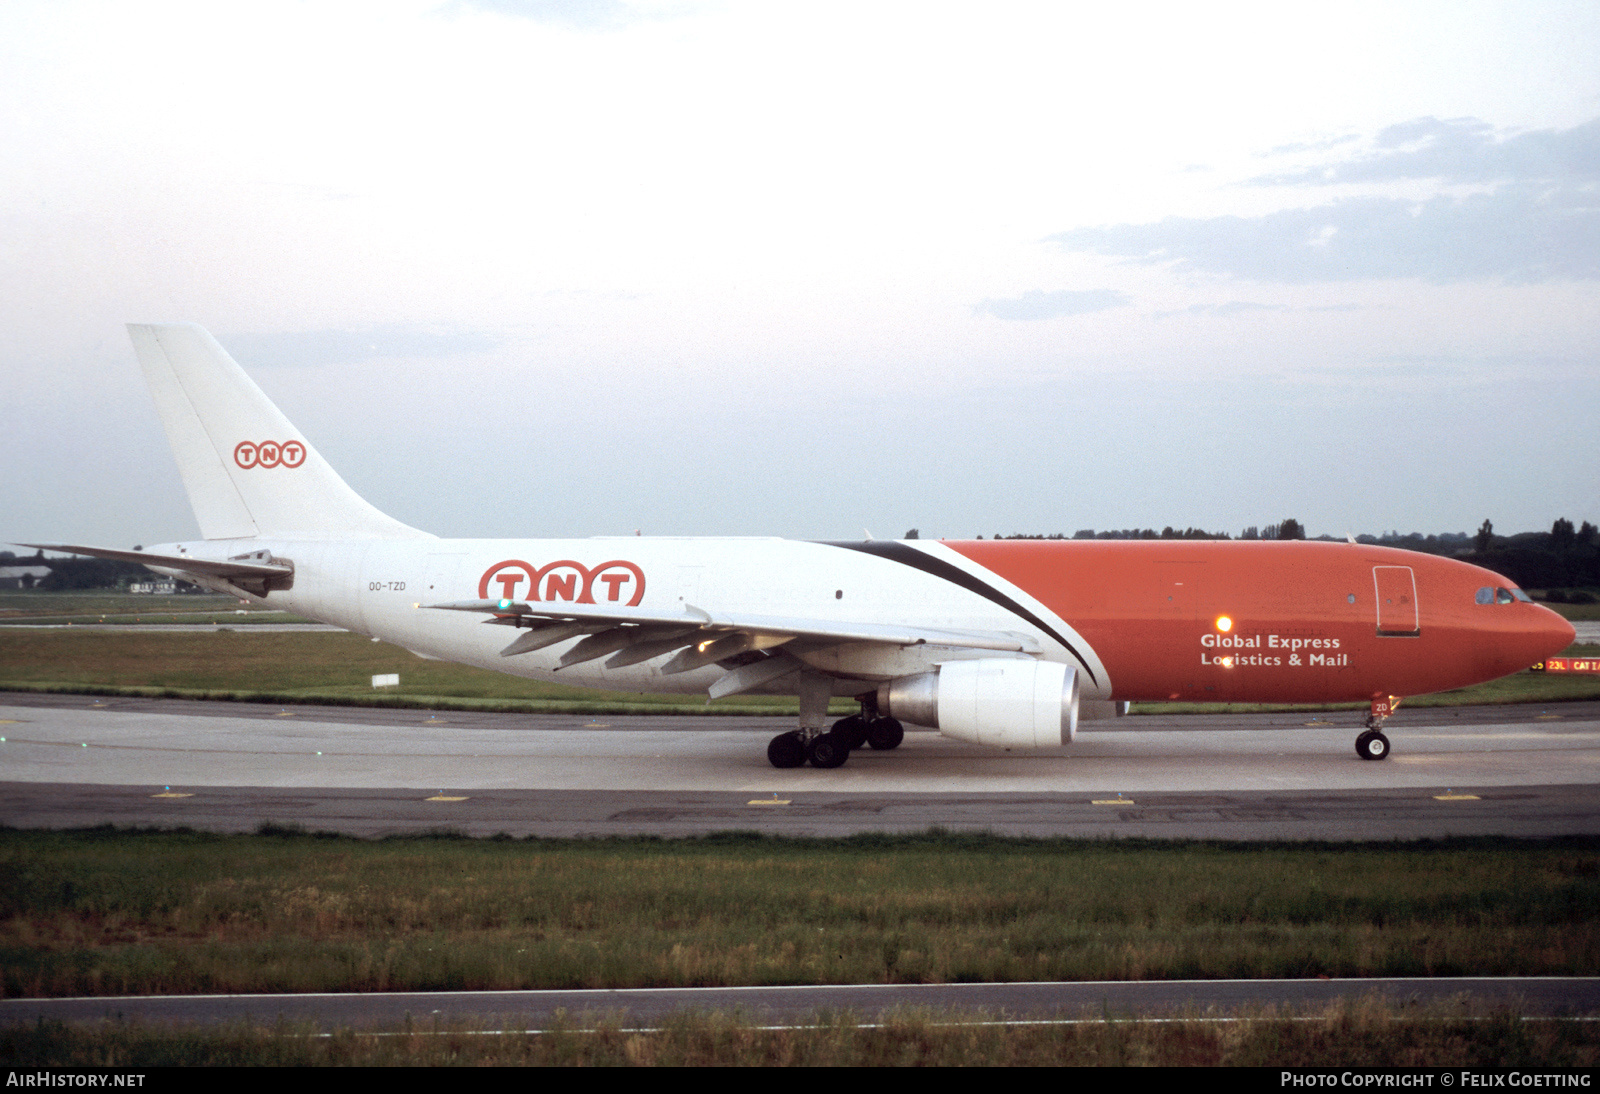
{"x":508,"y":575}
{"x":614,"y":575}
{"x":248,"y":454}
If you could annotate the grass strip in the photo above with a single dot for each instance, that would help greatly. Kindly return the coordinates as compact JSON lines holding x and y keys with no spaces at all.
{"x":107,"y":912}
{"x":337,"y":669}
{"x":332,"y":668}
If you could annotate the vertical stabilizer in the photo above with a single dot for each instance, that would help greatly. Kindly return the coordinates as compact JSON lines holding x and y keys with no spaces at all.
{"x":248,"y":471}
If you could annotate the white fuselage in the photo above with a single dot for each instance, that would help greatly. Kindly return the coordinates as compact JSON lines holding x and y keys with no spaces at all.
{"x":383,"y":588}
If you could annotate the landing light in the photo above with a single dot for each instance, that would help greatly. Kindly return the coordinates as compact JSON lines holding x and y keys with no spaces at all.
{"x":504,"y":604}
{"x":1224,"y":624}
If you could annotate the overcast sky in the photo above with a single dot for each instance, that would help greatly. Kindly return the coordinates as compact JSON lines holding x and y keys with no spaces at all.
{"x":582,"y":267}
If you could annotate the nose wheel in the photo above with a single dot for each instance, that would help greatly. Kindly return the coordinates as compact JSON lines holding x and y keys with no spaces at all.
{"x":1372,"y":744}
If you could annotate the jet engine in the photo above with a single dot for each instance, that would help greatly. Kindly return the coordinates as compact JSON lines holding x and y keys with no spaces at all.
{"x":990,"y":701}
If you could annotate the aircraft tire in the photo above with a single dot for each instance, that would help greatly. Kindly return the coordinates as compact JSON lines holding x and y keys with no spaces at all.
{"x":1372,"y":745}
{"x":826,"y":750}
{"x":852,"y":731}
{"x":885,"y":733}
{"x":787,"y":750}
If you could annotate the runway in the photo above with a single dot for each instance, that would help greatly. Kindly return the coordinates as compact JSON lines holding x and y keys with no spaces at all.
{"x":70,"y":761}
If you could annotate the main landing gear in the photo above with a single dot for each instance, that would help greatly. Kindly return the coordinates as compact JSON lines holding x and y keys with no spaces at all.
{"x":1372,"y":744}
{"x":833,"y":748}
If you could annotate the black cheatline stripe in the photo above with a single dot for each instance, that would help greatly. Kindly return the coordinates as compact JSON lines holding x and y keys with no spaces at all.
{"x":895,"y":551}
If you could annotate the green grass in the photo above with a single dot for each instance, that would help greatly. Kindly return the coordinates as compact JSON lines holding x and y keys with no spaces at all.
{"x":1366,"y":1034}
{"x":108,"y":606}
{"x":337,"y":668}
{"x":1575,"y":612}
{"x":312,"y":667}
{"x":1522,"y":687}
{"x":117,"y":913}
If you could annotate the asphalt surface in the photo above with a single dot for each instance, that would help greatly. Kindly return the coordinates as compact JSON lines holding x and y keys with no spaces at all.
{"x":73,"y":761}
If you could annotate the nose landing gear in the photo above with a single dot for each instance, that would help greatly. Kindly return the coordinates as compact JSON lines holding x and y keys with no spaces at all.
{"x":1372,"y":744}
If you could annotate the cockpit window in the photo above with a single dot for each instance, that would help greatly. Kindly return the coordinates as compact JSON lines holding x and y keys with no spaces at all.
{"x":1487,"y":595}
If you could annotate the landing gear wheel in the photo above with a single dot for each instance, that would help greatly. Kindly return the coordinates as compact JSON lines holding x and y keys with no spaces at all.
{"x":852,"y":731}
{"x":885,"y":733}
{"x":787,"y":750}
{"x":826,"y":750}
{"x":1372,"y":745}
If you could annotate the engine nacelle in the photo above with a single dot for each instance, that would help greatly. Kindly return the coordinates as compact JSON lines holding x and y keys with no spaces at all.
{"x":991,"y":701}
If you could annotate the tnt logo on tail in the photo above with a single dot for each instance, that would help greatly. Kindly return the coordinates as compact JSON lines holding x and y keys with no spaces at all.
{"x":248,"y":454}
{"x":564,"y":580}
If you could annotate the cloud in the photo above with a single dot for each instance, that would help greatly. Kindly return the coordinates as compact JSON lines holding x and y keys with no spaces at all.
{"x":1522,"y":233}
{"x":1463,"y":150}
{"x":1037,"y":304}
{"x":581,"y":14}
{"x":1231,"y":308}
{"x":1315,"y":146}
{"x":1535,"y":215}
{"x":318,"y":348}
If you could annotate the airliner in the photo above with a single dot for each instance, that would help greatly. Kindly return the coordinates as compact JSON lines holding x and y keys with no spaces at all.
{"x":1001,"y":643}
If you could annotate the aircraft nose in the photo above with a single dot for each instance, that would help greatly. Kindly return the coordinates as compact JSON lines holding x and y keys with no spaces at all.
{"x":1557,"y":634}
{"x":1550,"y":634}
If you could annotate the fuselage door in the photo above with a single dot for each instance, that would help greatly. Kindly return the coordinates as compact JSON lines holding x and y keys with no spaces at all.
{"x":1398,"y":616}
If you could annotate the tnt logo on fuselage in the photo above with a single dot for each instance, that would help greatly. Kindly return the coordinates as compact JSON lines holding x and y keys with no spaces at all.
{"x":564,"y":580}
{"x":248,"y":454}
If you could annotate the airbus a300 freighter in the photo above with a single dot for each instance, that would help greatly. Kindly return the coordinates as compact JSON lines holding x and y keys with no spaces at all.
{"x":1003,"y":643}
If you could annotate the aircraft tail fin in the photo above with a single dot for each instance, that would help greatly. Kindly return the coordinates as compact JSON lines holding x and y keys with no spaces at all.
{"x":247,"y":470}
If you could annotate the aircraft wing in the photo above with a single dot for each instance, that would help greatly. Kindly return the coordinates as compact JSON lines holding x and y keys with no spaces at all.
{"x":702,"y":638}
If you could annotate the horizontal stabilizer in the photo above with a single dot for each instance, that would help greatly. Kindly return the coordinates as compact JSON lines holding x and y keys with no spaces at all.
{"x":209,"y":567}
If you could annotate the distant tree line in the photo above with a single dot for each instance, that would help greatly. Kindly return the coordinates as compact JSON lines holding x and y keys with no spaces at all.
{"x":1562,"y":557}
{"x":1288,"y":529}
{"x":1566,"y":557}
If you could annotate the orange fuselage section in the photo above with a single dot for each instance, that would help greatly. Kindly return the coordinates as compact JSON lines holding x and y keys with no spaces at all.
{"x":1278,"y":621}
